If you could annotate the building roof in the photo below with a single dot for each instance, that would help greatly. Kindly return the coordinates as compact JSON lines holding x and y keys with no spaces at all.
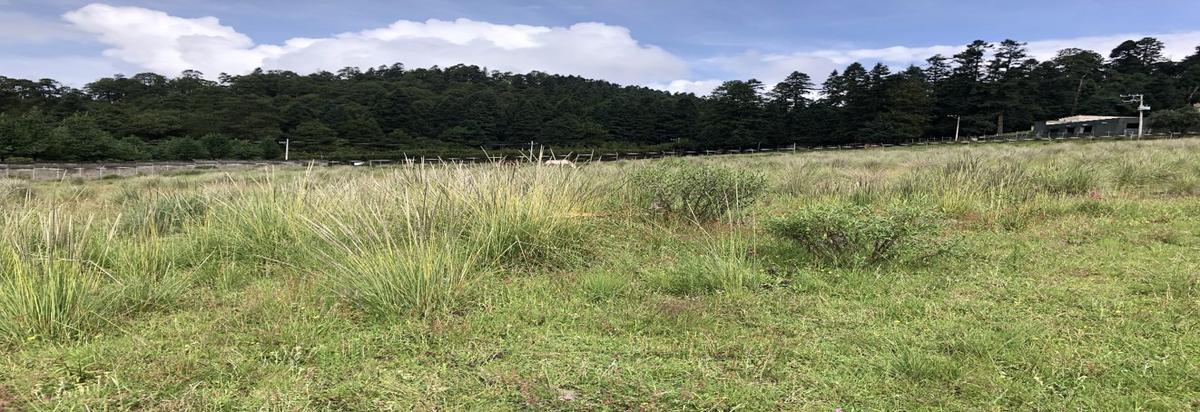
{"x":1080,"y":118}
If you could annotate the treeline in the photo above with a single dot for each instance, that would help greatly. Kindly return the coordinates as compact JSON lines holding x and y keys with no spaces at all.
{"x":392,"y":111}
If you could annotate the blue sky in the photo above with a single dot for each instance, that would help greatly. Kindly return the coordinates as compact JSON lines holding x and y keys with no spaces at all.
{"x":681,"y":45}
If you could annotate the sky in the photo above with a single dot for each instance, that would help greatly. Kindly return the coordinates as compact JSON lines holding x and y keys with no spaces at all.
{"x":685,"y":46}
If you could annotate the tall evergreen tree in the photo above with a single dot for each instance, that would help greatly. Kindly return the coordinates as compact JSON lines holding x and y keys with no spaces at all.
{"x":735,"y":117}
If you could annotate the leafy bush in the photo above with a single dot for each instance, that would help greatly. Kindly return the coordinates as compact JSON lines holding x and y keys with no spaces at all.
{"x":182,"y":148}
{"x":697,"y":191}
{"x":1182,"y":119}
{"x":849,"y":235}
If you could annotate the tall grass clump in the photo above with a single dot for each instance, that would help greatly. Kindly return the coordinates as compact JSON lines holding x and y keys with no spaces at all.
{"x":602,"y":285}
{"x":1072,"y":178}
{"x":807,"y":178}
{"x":410,"y":276}
{"x":968,"y":180}
{"x":258,"y":220}
{"x":63,"y":277}
{"x":516,"y":217}
{"x":975,"y":173}
{"x":723,"y":265}
{"x":164,"y":213}
{"x":15,"y":191}
{"x":141,"y":274}
{"x":844,"y":234}
{"x":48,"y":287}
{"x":408,"y":241}
{"x":1132,"y":171}
{"x":528,"y":218}
{"x":391,"y":268}
{"x":696,"y":191}
{"x":1184,"y":180}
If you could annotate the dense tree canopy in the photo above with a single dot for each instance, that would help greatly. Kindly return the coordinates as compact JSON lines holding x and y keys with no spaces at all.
{"x":391,"y":111}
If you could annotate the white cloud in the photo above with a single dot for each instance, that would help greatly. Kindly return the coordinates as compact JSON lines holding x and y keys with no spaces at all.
{"x":168,"y":44}
{"x":700,"y":87}
{"x":1177,"y":45}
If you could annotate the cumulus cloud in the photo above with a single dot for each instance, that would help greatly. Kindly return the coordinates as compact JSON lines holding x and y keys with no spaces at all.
{"x":163,"y":43}
{"x":700,"y":87}
{"x":1176,"y":45}
{"x":169,"y":44}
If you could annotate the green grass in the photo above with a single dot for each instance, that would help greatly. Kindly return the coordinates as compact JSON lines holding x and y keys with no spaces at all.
{"x":1052,"y":277}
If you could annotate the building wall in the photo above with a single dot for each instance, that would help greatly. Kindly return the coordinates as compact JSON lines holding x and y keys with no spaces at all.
{"x":1096,"y":128}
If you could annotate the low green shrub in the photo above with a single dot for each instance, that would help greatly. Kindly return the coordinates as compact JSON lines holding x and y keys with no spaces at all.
{"x":693,"y":190}
{"x":850,"y":235}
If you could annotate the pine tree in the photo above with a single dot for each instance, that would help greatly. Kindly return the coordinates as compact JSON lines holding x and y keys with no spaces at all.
{"x":792,"y":93}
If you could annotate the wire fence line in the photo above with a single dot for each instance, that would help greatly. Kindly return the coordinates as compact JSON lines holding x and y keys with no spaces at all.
{"x":66,"y":170}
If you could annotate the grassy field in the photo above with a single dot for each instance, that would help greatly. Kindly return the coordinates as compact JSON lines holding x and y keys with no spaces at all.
{"x":996,"y":277}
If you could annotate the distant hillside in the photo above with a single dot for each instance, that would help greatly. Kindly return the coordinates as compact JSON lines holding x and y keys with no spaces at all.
{"x":391,"y":111}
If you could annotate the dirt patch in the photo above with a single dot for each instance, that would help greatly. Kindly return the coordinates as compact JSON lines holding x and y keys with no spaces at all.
{"x":674,"y":307}
{"x":8,"y":401}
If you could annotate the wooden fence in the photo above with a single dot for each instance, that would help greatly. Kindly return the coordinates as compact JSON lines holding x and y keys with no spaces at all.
{"x":64,"y":171}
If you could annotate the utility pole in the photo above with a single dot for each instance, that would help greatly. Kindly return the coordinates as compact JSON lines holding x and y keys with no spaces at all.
{"x":1140,"y":99}
{"x":287,"y":148}
{"x":957,"y":125}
